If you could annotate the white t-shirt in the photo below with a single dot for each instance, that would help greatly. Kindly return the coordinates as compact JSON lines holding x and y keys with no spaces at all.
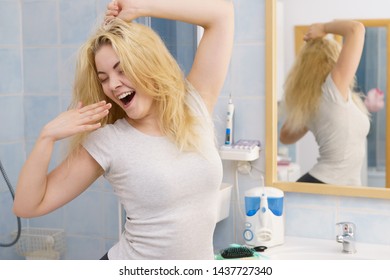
{"x":170,"y":198}
{"x":340,"y":129}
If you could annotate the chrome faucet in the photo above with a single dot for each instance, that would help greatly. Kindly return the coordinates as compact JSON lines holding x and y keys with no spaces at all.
{"x":347,"y":238}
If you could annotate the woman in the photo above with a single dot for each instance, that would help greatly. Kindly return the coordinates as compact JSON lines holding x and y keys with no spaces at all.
{"x":319,"y":98}
{"x":143,"y":126}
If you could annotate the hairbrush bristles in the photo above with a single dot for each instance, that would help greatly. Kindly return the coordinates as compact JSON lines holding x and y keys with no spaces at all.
{"x":237,"y":252}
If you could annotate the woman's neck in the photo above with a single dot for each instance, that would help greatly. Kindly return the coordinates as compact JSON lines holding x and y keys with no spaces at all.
{"x":149,"y":126}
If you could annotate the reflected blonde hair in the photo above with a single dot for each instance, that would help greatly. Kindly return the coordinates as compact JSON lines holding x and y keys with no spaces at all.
{"x":149,"y":65}
{"x":303,"y":86}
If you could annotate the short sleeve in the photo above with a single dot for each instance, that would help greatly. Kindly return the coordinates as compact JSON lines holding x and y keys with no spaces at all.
{"x":331,"y":92}
{"x":98,"y":145}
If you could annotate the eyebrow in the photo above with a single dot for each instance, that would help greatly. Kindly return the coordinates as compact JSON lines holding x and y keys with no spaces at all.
{"x":114,"y":67}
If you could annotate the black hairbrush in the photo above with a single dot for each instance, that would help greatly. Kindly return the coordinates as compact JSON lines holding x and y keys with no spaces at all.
{"x":237,"y":252}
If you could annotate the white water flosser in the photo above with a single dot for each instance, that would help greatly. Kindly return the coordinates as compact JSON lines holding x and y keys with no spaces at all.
{"x":229,"y":122}
{"x":264,"y":232}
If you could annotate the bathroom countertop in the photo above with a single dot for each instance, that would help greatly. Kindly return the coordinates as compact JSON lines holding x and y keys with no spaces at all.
{"x":299,"y":248}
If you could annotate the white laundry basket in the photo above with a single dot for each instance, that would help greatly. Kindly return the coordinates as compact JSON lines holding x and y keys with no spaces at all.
{"x":41,"y":243}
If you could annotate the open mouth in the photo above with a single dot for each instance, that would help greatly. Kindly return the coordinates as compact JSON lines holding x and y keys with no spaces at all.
{"x":126,"y":97}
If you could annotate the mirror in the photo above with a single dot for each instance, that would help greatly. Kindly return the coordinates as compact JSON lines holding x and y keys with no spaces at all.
{"x":274,"y":66}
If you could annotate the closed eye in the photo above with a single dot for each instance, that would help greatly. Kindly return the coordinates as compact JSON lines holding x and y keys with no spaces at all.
{"x":102,"y":78}
{"x":120,"y":71}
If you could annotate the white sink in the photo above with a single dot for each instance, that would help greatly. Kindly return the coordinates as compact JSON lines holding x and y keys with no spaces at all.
{"x":225,"y":193}
{"x":296,"y":248}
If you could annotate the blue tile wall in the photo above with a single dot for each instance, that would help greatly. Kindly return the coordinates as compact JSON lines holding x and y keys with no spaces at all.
{"x":39,"y":30}
{"x":11,"y":114}
{"x":67,"y":66}
{"x":10,"y":17}
{"x":250,"y":26}
{"x":36,"y":73}
{"x":12,"y":156}
{"x":41,"y":71}
{"x":39,"y":110}
{"x":180,"y":39}
{"x":77,"y":20}
{"x":10,"y":70}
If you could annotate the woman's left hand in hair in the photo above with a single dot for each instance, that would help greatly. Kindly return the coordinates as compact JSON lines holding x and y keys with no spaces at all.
{"x":316,"y":30}
{"x":124,"y":9}
{"x":111,"y":12}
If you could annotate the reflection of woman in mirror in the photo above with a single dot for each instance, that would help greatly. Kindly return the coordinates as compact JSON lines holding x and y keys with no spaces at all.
{"x":319,"y":98}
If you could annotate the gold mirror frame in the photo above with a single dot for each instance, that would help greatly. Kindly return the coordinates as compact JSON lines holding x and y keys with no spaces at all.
{"x":271,"y":129}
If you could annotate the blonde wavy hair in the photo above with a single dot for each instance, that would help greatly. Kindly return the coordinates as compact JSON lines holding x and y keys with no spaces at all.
{"x":302,"y":93}
{"x":150,"y":66}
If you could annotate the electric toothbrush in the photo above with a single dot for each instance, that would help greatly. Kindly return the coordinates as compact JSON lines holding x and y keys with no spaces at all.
{"x":229,"y":122}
